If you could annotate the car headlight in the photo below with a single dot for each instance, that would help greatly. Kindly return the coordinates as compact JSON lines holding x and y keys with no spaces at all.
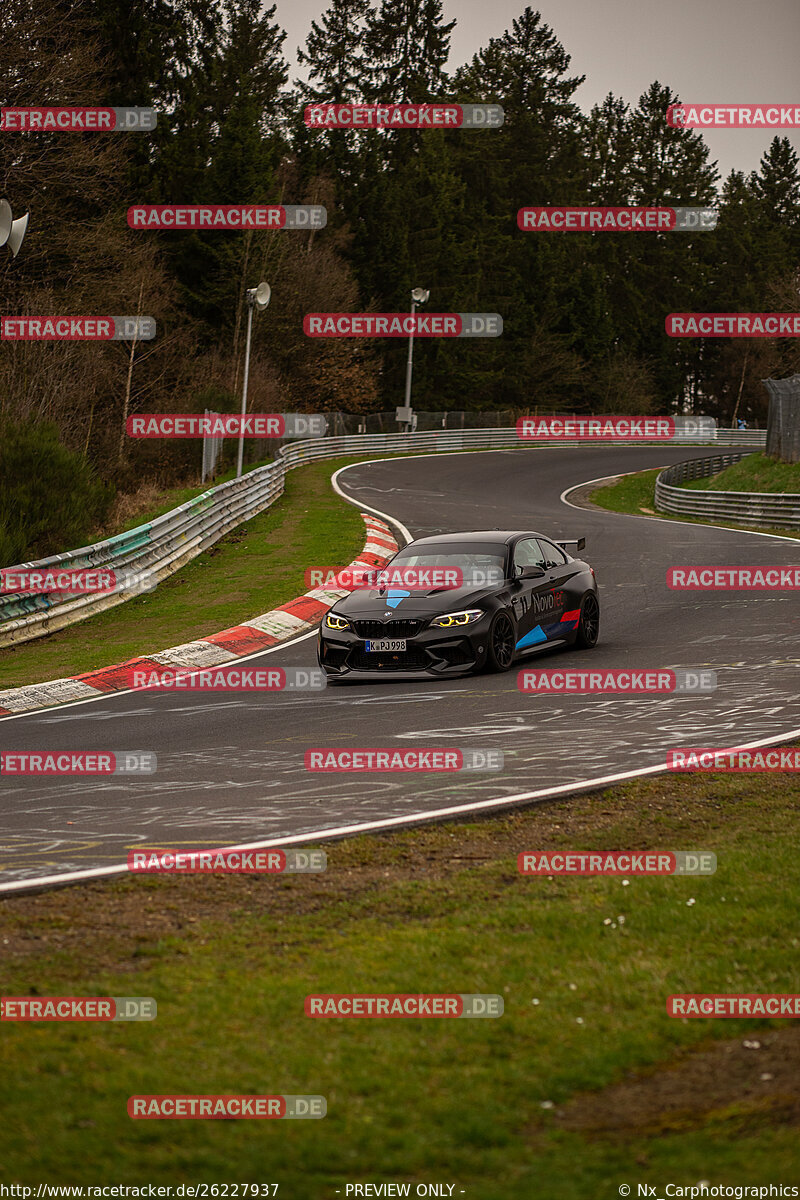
{"x":448,"y":620}
{"x":334,"y":621}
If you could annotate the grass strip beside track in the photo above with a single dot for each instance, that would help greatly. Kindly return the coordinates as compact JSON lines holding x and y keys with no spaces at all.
{"x":755,"y":473}
{"x":254,"y":568}
{"x":591,"y":1088}
{"x":161,"y":502}
{"x":636,"y":494}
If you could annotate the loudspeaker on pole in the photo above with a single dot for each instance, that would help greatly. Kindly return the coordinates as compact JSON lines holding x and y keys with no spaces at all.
{"x":11,"y":232}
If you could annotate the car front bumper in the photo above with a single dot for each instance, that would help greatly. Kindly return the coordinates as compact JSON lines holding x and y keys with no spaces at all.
{"x":432,"y":651}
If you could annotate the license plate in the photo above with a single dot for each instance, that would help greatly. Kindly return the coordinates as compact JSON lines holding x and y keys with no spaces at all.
{"x":381,"y":645}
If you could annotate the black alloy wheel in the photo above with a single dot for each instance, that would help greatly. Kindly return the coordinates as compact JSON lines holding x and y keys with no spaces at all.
{"x":589,"y":622}
{"x":501,"y":643}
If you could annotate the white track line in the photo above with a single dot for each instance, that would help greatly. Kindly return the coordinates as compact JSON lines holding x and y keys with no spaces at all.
{"x":244,"y":658}
{"x":413,"y":818}
{"x":366,"y":507}
{"x":317,"y":835}
{"x":779,"y":537}
{"x":247,"y":657}
{"x":51,"y":708}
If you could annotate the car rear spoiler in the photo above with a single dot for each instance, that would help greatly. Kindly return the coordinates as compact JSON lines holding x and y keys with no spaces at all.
{"x":572,"y":546}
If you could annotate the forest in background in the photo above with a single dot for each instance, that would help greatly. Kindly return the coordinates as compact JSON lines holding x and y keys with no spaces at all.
{"x":583,"y":314}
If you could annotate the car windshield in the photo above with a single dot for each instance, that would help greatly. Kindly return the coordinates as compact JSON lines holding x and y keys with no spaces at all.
{"x":468,"y":556}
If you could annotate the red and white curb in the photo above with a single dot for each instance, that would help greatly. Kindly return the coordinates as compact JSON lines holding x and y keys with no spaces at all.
{"x":261,"y":633}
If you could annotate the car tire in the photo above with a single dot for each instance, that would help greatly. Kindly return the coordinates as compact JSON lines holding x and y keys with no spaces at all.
{"x":502,"y":640}
{"x":588,"y":622}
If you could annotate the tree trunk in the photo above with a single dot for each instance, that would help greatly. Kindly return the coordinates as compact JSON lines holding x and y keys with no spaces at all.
{"x":129,"y":380}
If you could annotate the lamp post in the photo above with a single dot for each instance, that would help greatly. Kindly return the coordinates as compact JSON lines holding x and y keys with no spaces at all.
{"x":418,"y":296}
{"x":257,"y":297}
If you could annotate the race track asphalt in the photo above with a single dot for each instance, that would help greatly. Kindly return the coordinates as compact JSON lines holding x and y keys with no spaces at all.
{"x":231,"y":766}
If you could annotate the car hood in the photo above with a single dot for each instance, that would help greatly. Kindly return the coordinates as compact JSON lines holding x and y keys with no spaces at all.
{"x":374,"y":603}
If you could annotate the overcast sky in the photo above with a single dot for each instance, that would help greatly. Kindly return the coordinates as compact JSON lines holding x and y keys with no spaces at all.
{"x":707,"y":51}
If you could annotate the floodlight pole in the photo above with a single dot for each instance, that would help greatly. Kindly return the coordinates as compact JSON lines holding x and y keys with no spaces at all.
{"x":251,"y":300}
{"x":257,"y":297}
{"x":418,"y":296}
{"x":410,"y":363}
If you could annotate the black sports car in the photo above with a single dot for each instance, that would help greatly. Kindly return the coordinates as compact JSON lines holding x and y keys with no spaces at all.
{"x":504,"y":594}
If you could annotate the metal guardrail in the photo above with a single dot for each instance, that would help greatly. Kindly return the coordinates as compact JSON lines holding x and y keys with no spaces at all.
{"x":477,"y":439}
{"x":166,"y":544}
{"x":158,"y":549}
{"x":772,"y":510}
{"x":742,"y":437}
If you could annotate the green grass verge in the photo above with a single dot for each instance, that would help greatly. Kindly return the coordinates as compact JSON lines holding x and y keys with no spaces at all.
{"x":636,"y":494}
{"x":254,"y":568}
{"x":755,"y":473}
{"x":175,"y":497}
{"x":230,"y":961}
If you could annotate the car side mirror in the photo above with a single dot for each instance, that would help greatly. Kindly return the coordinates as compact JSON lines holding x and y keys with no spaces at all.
{"x":532,"y":573}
